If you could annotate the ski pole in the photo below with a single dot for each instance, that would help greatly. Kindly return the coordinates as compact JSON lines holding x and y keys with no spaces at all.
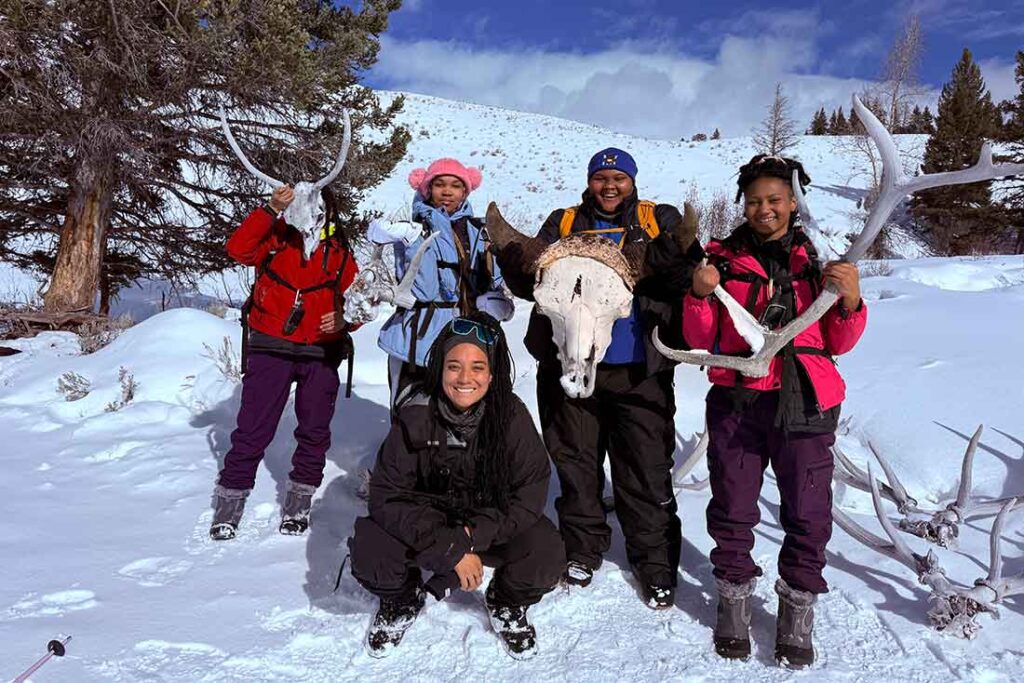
{"x":55,"y":648}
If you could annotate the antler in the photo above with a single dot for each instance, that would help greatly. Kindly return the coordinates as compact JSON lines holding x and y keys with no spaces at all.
{"x":955,"y":607}
{"x":373,"y":284}
{"x":894,"y":187}
{"x":942,"y":526}
{"x":273,"y":182}
{"x":699,"y":453}
{"x":346,"y":140}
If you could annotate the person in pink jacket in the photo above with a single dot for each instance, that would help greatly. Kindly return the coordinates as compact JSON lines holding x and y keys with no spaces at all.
{"x":786,"y":419}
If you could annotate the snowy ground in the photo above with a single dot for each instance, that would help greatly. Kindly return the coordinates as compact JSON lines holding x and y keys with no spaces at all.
{"x":104,"y":535}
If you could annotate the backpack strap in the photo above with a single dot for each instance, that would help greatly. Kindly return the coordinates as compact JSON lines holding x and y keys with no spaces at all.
{"x":565,"y":226}
{"x":645,"y":214}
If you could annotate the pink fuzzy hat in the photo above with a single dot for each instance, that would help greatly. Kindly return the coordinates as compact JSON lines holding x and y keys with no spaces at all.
{"x":421,"y":178}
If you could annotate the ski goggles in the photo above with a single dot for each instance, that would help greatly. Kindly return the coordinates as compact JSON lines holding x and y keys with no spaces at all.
{"x":464,"y":327}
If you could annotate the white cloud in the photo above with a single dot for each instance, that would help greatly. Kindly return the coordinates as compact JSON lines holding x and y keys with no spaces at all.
{"x":999,"y":77}
{"x":630,"y":88}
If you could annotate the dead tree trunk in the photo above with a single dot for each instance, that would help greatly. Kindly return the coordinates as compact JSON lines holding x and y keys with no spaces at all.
{"x":76,"y":272}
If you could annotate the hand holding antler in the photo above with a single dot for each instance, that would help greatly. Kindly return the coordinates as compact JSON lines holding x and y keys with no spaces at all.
{"x":705,"y":279}
{"x":281,"y":198}
{"x":845,"y":278}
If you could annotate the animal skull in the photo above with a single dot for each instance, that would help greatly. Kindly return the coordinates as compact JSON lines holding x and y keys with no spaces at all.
{"x":306,"y":212}
{"x":583,"y":298}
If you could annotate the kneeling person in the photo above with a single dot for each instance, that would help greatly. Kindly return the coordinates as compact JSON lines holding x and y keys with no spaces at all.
{"x":460,"y":482}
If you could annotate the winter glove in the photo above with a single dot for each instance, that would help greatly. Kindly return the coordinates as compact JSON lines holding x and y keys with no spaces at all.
{"x":496,"y":304}
{"x":386,"y":232}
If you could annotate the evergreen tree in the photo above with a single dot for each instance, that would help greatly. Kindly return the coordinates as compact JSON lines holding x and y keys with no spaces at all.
{"x":960,"y":219}
{"x":716,"y":135}
{"x":114,"y":165}
{"x":1013,"y":136}
{"x":844,"y":127}
{"x":819,"y":124}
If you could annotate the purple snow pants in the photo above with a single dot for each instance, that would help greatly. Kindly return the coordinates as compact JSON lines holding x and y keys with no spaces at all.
{"x":265,"y":388}
{"x":742,"y":444}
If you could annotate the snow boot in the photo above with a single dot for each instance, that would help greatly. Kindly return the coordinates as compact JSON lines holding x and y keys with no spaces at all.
{"x":577,"y":574}
{"x":295,"y":511}
{"x":732,"y":630}
{"x":515,"y":631}
{"x":228,"y":505}
{"x":392,"y":620}
{"x":793,"y":646}
{"x":658,"y":596}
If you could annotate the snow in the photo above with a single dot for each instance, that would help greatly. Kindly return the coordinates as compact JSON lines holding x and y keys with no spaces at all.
{"x":105,"y":535}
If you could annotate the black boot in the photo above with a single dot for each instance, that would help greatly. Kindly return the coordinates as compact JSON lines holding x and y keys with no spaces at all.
{"x":513,"y":628}
{"x":577,"y":574}
{"x":392,"y":620}
{"x":732,"y":630}
{"x":228,"y":505}
{"x":793,"y":646}
{"x":295,"y":511}
{"x":659,"y":596}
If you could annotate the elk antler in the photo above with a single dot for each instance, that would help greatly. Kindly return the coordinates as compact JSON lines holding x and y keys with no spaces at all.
{"x":955,"y":607}
{"x":942,"y":526}
{"x":700,"y":451}
{"x":374,"y":285}
{"x":894,"y":187}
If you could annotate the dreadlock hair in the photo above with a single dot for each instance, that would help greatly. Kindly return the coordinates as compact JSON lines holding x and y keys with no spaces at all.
{"x":493,"y":472}
{"x":773,"y":166}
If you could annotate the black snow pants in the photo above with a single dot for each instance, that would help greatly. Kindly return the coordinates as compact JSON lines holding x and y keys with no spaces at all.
{"x":630,"y":416}
{"x":528,"y":566}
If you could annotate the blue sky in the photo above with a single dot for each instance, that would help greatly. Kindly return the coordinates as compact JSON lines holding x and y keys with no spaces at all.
{"x":668,"y":69}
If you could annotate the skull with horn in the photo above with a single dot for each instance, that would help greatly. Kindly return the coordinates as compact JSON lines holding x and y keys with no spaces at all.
{"x":583,"y":283}
{"x":306,"y":212}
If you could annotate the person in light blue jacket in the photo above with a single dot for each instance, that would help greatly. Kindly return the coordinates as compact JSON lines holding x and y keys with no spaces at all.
{"x":457,"y":275}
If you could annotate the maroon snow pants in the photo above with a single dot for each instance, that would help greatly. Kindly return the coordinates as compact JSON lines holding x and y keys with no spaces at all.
{"x":265,"y":387}
{"x":743,"y":442}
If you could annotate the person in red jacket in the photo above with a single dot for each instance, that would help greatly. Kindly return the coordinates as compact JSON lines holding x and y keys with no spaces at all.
{"x":787,"y":418}
{"x":296,"y":334}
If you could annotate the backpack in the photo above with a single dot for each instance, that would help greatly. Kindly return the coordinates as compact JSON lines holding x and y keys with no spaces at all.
{"x":644,"y":214}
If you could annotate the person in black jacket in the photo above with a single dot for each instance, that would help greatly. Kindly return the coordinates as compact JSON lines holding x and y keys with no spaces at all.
{"x":630,"y":416}
{"x":461,"y":481}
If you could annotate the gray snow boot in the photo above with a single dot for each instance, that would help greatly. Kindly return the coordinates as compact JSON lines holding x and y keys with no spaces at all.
{"x":295,"y":511}
{"x":228,"y":505}
{"x":793,"y":646}
{"x":732,"y":630}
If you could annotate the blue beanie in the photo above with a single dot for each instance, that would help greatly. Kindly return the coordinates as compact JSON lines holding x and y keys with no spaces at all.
{"x":612,"y":158}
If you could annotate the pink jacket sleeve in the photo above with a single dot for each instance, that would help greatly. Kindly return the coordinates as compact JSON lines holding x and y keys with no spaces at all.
{"x":700,"y":321}
{"x":843,"y":332}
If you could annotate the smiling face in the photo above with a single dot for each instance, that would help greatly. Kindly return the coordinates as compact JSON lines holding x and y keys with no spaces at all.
{"x":768,"y":204}
{"x":467,"y":375}
{"x":447,"y":192}
{"x":610,"y":188}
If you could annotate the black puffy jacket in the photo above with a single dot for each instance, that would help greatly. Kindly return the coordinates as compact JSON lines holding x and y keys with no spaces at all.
{"x":423,"y":492}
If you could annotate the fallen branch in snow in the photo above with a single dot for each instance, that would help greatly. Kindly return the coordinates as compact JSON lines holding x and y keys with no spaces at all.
{"x":73,"y":386}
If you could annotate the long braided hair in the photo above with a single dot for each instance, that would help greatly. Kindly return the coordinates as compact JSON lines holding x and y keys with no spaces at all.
{"x":493,"y":470}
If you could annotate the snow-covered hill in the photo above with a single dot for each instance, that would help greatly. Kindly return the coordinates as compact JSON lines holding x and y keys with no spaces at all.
{"x":533,"y":164}
{"x":106,"y":515}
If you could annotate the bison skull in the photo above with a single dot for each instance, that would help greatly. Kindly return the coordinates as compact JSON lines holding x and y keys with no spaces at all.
{"x":583,"y":298}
